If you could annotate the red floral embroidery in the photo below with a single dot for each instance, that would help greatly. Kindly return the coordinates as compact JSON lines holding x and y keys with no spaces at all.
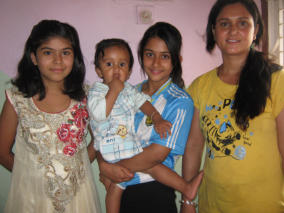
{"x":72,"y":133}
{"x":65,"y":133}
{"x":70,"y":149}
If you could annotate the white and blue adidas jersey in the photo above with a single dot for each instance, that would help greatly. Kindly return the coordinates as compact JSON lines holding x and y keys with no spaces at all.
{"x":176,"y":106}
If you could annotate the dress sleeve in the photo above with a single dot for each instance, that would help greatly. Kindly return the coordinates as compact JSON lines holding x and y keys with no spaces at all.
{"x":96,"y":102}
{"x":180,"y":114}
{"x":277,"y":92}
{"x":11,"y":95}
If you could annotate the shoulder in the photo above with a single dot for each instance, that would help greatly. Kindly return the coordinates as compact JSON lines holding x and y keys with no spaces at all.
{"x":14,"y":93}
{"x":277,"y":80}
{"x":199,"y":84}
{"x":278,"y":75}
{"x":177,"y":97}
{"x":202,"y":79}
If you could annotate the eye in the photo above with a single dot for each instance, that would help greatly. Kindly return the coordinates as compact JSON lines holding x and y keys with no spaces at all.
{"x":67,"y":52}
{"x":47,"y":52}
{"x":108,"y":64}
{"x":224,"y":24}
{"x":243,"y":24}
{"x":122,"y":64}
{"x":166,"y":56}
{"x":149,"y":54}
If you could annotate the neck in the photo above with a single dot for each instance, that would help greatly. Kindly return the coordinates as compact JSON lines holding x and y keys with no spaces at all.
{"x":151,"y":87}
{"x":231,"y":69}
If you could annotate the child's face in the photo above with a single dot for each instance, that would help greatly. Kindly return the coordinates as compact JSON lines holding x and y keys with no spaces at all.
{"x":114,"y":64}
{"x":157,"y":60}
{"x":54,"y":58}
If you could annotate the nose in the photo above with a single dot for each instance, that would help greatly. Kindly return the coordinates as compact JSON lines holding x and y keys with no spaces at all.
{"x":233,"y":29}
{"x":116,"y":68}
{"x":156,"y":61}
{"x":57,"y":58}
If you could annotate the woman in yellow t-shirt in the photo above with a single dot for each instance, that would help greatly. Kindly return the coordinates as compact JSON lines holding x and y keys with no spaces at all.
{"x":239,"y":115}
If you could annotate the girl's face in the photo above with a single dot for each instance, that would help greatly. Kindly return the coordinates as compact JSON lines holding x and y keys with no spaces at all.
{"x":54,"y":58}
{"x":234,"y":31}
{"x":157,"y":60}
{"x":114,"y":64}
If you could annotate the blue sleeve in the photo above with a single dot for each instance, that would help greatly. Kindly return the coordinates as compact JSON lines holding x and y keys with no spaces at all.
{"x":179,"y":113}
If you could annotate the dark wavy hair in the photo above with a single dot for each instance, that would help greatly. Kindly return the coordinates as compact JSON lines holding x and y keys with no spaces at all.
{"x":255,"y":78}
{"x":29,"y":80}
{"x":103,"y":44}
{"x":172,"y":37}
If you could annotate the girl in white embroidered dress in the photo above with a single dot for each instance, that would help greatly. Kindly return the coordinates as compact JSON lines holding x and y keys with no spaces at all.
{"x":45,"y":115}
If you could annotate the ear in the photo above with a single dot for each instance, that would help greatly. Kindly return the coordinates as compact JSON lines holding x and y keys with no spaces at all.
{"x":255,"y":32}
{"x":213,"y":32}
{"x":99,"y":72}
{"x":180,"y":58}
{"x":33,"y":57}
{"x":129,"y":73}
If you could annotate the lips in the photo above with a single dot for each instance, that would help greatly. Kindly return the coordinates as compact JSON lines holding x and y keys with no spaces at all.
{"x":233,"y":41}
{"x":57,"y":70}
{"x":155,"y":72}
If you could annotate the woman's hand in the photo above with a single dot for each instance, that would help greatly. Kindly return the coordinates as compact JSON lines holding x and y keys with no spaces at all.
{"x":114,"y":172}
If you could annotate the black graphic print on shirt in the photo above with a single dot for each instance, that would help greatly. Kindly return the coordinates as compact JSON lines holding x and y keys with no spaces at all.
{"x":223,"y":137}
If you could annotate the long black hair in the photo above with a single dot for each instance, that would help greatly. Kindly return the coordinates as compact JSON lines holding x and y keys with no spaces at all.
{"x":172,"y":37}
{"x":255,"y":78}
{"x":29,"y":80}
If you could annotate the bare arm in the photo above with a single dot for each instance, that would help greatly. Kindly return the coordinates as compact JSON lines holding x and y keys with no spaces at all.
{"x":192,"y":155}
{"x":152,"y":155}
{"x":8,"y":129}
{"x":92,"y":153}
{"x":115,"y":87}
{"x":280,"y":134}
{"x":114,"y":172}
{"x":161,"y":126}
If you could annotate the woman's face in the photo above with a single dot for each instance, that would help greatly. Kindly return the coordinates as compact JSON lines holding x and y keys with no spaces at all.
{"x":234,"y":30}
{"x":157,"y":61}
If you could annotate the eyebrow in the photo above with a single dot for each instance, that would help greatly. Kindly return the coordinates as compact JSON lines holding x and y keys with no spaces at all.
{"x":222,"y":19}
{"x":49,"y":48}
{"x":160,"y":52}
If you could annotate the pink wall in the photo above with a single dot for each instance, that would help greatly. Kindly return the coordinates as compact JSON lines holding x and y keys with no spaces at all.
{"x":98,"y":19}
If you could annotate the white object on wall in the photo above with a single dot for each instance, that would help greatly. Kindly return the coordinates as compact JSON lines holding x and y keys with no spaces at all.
{"x":145,"y":14}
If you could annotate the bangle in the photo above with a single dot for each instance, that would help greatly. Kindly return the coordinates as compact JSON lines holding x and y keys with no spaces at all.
{"x":153,"y":113}
{"x":189,"y":202}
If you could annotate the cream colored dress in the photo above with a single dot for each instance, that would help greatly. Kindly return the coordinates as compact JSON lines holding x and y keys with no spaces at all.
{"x":52,"y":172}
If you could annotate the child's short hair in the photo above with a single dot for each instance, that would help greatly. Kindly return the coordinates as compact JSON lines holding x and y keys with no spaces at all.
{"x":103,"y":44}
{"x":29,"y":80}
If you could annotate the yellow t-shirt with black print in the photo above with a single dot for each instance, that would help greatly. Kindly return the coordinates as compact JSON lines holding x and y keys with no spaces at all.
{"x":243,"y":172}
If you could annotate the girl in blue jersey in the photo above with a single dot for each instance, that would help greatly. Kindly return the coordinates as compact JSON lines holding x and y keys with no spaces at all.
{"x":159,"y":56}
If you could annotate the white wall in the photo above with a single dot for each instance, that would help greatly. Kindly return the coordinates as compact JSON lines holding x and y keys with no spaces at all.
{"x":99,"y":19}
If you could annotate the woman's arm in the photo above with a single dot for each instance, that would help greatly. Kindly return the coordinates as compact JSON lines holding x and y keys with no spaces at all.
{"x":192,"y":155}
{"x":8,"y":129}
{"x":114,"y":172}
{"x":91,"y":149}
{"x":151,"y":156}
{"x":280,"y":134}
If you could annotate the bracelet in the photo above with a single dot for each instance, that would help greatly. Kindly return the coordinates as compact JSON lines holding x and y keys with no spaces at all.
{"x":153,"y":113}
{"x":189,"y":202}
